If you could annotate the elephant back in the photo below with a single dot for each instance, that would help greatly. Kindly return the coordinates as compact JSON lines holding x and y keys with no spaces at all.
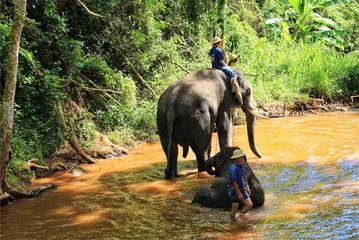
{"x":215,"y":196}
{"x":257,"y":191}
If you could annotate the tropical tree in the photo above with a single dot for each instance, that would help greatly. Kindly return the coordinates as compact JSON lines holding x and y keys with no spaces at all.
{"x":303,"y":22}
{"x":7,"y":104}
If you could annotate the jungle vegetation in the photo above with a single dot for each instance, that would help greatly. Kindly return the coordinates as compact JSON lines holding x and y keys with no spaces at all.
{"x":95,"y":65}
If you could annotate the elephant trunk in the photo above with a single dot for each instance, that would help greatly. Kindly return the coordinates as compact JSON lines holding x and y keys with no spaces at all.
{"x":209,"y":165}
{"x":250,"y":131}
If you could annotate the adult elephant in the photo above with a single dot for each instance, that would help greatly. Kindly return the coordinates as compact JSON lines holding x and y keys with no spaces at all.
{"x":189,"y":109}
{"x":216,"y":196}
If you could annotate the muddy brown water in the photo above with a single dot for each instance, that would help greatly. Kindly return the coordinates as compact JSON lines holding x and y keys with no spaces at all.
{"x":310,"y":172}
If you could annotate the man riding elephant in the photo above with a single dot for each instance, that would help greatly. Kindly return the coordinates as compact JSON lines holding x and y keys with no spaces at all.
{"x":217,"y":196}
{"x":219,"y":62}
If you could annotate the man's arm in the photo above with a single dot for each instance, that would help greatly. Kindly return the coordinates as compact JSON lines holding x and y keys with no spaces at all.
{"x":236,"y":188}
{"x":221,"y":57}
{"x":222,"y":62}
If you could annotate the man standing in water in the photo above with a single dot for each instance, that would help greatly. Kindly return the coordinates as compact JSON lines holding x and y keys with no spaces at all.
{"x":219,"y":62}
{"x":239,"y":189}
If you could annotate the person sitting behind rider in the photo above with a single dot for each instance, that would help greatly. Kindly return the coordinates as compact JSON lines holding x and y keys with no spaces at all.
{"x":218,"y":62}
{"x":233,"y":59}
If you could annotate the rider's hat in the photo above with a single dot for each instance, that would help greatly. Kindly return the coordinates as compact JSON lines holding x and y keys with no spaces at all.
{"x":216,"y":40}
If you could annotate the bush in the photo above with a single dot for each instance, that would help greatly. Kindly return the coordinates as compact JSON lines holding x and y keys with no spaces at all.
{"x":22,"y":151}
{"x":348,"y":77}
{"x":122,"y":137}
{"x":144,"y":121}
{"x":286,"y":71}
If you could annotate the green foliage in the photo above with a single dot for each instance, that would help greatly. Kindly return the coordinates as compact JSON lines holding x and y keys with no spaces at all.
{"x":286,"y":71}
{"x":348,"y":76}
{"x":98,"y":64}
{"x":4,"y":32}
{"x":23,"y":150}
{"x":144,"y":121}
{"x":302,"y":21}
{"x":98,"y":70}
{"x":123,"y":136}
{"x":17,"y":176}
{"x":346,"y":14}
{"x":85,"y":132}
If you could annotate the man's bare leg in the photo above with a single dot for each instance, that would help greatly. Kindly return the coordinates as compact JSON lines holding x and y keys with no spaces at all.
{"x":236,"y":89}
{"x":248,"y":205}
{"x":235,"y":86}
{"x":234,"y":209}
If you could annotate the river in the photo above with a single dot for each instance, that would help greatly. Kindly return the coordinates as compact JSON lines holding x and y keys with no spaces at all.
{"x":310,"y":173}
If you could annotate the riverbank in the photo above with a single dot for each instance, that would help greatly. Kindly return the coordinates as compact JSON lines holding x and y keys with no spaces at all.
{"x":304,"y":107}
{"x":65,"y":159}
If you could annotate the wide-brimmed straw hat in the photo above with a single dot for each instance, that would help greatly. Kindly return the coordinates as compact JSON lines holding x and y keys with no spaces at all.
{"x":216,"y":40}
{"x":233,"y":57}
{"x":237,"y":153}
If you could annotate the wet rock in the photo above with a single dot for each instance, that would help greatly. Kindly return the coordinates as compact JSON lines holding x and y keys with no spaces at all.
{"x":355,"y":101}
{"x":78,"y":171}
{"x":31,"y":192}
{"x":103,"y":148}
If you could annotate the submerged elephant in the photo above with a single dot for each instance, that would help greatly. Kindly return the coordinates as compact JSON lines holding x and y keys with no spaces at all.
{"x":216,"y":196}
{"x":189,"y":109}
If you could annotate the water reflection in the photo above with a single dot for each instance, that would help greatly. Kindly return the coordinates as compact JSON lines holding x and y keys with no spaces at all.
{"x":309,"y":172}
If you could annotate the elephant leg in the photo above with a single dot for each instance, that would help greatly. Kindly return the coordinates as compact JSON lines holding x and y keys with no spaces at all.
{"x":202,"y":153}
{"x":201,"y":146}
{"x":171,"y":169}
{"x":225,"y":128}
{"x":201,"y":161}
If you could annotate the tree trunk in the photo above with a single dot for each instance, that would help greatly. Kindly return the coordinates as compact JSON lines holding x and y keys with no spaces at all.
{"x":7,"y":107}
{"x":71,"y":136}
{"x":138,"y":76}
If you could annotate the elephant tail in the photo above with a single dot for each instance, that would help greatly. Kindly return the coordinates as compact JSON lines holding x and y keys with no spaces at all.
{"x":185,"y":151}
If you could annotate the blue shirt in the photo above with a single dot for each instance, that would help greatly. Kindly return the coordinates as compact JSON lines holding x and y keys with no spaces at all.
{"x":238,"y":173}
{"x":216,"y":56}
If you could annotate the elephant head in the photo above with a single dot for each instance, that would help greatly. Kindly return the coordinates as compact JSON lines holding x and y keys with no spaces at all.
{"x":249,"y":108}
{"x":219,"y":164}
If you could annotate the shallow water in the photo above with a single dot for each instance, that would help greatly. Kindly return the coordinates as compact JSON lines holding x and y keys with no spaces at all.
{"x":310,"y":172}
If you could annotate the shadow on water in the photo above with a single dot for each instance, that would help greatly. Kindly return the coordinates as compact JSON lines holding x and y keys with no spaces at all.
{"x":308,"y":194}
